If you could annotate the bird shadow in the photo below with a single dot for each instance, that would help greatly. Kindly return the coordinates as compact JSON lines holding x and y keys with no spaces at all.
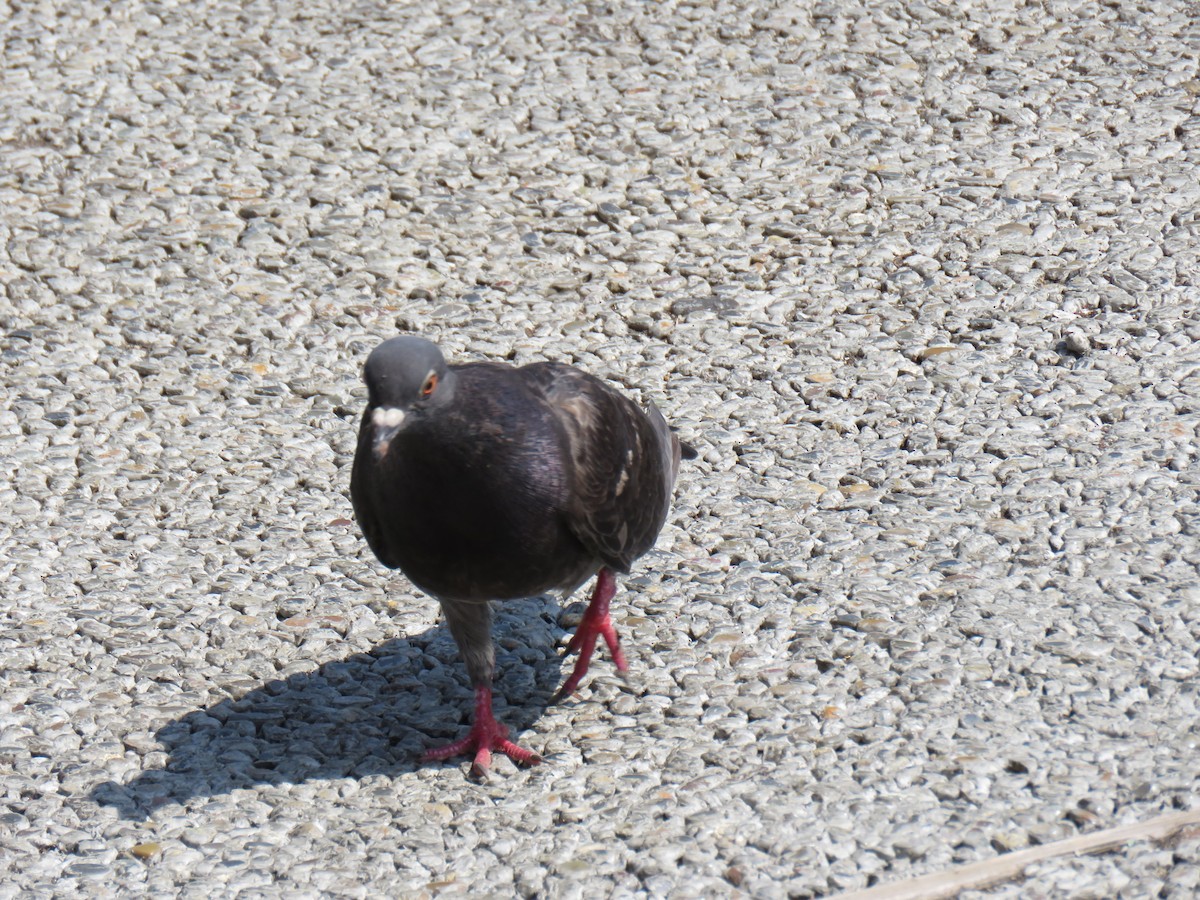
{"x":370,"y":713}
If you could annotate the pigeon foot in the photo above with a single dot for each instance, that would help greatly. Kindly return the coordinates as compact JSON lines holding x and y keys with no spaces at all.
{"x":595,"y":623}
{"x":486,"y":735}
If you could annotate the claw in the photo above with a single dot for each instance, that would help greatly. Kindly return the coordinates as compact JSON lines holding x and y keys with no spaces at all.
{"x":486,"y":735}
{"x":595,"y":623}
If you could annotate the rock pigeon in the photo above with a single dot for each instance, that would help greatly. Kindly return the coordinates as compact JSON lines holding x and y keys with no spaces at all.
{"x":484,"y":481}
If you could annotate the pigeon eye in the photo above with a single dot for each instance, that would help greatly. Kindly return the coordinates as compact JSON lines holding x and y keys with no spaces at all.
{"x":430,"y":385}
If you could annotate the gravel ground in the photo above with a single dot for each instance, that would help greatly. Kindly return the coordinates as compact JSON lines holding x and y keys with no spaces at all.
{"x":918,"y":279}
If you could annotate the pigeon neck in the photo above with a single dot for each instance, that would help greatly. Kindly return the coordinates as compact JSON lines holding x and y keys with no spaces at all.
{"x":445,"y":391}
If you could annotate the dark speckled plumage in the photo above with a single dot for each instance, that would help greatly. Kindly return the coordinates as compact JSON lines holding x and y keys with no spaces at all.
{"x":505,"y":482}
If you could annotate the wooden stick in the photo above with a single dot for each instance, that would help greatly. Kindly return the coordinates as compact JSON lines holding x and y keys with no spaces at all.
{"x":978,"y":875}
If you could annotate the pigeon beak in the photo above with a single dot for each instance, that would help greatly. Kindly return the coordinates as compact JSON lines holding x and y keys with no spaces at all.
{"x":387,"y":421}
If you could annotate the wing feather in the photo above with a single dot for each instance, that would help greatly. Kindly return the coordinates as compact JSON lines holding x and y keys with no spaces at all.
{"x":624,"y":461}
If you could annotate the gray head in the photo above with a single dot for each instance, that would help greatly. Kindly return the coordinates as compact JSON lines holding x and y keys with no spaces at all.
{"x":406,"y":377}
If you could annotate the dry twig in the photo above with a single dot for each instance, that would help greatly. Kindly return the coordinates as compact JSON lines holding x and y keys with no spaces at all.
{"x":979,"y":875}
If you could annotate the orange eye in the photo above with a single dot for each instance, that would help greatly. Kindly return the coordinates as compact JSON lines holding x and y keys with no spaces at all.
{"x":430,"y":385}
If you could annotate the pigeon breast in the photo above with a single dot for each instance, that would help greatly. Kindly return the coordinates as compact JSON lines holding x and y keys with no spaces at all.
{"x":471,"y":501}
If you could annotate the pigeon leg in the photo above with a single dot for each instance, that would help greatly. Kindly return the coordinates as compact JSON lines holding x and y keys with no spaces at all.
{"x":486,"y":735}
{"x":471,"y":625}
{"x":595,"y":623}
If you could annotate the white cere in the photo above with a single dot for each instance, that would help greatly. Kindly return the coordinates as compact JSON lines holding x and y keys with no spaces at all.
{"x":387,"y":417}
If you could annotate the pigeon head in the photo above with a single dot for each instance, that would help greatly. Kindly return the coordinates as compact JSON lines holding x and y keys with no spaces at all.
{"x":406,"y":377}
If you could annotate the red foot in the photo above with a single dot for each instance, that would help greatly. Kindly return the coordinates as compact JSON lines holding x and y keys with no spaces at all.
{"x":595,"y":623}
{"x":486,"y":735}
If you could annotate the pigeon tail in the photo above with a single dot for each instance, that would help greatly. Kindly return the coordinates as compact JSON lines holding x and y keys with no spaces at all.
{"x":595,"y":623}
{"x":486,"y":735}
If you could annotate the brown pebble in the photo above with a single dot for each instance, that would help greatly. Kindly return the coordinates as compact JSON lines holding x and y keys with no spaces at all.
{"x":147,"y":850}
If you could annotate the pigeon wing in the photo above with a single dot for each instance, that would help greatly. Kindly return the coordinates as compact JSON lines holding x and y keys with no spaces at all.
{"x":623,"y":463}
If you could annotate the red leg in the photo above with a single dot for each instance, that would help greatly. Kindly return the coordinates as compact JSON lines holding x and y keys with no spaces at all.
{"x":595,"y":623}
{"x":486,"y":735}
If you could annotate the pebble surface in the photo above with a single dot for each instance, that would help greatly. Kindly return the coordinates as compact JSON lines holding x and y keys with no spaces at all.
{"x":919,"y":280}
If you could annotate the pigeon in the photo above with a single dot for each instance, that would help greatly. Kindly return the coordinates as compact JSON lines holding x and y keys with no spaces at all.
{"x":488,"y":482}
